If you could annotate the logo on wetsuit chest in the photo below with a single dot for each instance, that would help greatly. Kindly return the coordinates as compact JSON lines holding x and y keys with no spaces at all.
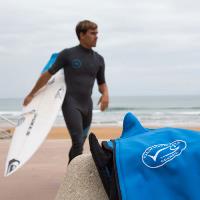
{"x":76,"y":63}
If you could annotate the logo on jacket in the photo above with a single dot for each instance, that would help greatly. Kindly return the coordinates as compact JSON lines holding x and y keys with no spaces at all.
{"x":158,"y":155}
{"x":76,"y":63}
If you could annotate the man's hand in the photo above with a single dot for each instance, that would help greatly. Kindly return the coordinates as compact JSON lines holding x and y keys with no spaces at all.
{"x":27,"y":100}
{"x":103,"y":101}
{"x":39,"y":84}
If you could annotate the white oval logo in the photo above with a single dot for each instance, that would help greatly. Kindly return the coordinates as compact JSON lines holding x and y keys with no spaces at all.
{"x":158,"y":155}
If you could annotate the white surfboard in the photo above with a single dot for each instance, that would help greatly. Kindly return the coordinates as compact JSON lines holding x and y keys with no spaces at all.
{"x":35,"y":123}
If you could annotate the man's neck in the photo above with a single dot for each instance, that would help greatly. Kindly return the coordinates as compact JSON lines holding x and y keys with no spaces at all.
{"x":85,"y":46}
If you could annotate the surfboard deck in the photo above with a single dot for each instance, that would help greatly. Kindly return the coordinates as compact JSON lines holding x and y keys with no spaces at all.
{"x":35,"y":122}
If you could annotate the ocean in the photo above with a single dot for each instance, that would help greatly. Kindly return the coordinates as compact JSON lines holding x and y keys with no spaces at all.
{"x":152,"y":111}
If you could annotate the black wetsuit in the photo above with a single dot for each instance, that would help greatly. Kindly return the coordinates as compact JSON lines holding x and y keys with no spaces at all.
{"x":81,"y":67}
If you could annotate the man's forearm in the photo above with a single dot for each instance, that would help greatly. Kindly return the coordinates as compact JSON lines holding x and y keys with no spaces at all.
{"x":40,"y":83}
{"x":103,"y":89}
{"x":104,"y":99}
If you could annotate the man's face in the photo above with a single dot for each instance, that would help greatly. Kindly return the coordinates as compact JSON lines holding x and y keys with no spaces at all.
{"x":89,"y":38}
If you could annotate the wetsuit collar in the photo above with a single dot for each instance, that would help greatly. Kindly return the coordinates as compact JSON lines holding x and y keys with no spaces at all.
{"x":85,"y":49}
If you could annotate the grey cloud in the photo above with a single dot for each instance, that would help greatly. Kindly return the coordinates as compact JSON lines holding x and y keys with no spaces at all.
{"x":154,"y":44}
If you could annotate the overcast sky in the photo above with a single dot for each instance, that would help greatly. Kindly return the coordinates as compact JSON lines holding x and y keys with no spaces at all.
{"x":151,"y":47}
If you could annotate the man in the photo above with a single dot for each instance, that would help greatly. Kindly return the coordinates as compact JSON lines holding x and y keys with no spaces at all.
{"x":81,"y":67}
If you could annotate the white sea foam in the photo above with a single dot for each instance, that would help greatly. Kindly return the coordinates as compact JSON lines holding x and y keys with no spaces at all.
{"x":151,"y":111}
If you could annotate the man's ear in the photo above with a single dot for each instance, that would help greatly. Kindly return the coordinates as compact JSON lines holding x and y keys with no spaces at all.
{"x":82,"y":35}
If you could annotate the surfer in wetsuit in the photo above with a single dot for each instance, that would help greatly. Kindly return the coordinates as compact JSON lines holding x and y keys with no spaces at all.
{"x":81,"y":67}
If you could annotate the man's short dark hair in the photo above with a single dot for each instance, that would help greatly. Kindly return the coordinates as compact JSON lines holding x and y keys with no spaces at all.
{"x":84,"y":26}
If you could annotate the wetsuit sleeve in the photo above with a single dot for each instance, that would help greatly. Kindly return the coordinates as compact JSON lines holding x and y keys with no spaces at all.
{"x":58,"y":64}
{"x":101,"y":73}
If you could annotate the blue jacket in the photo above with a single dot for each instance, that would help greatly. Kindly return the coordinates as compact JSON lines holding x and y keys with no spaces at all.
{"x":156,"y":164}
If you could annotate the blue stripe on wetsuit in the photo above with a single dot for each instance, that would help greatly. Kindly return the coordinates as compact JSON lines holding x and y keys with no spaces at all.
{"x":50,"y":62}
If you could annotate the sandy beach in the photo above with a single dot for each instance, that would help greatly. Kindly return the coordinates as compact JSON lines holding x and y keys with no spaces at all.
{"x":101,"y":132}
{"x":41,"y":177}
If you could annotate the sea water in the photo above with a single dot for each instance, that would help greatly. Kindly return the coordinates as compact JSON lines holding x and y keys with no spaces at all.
{"x":152,"y":111}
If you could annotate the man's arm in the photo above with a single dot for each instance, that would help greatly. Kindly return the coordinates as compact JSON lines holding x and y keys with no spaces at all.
{"x":104,"y":99}
{"x":39,"y":84}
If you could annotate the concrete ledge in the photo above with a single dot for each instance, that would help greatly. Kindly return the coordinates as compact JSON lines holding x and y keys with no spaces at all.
{"x":81,"y":181}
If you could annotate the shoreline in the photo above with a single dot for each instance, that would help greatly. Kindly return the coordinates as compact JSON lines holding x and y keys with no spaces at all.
{"x":102,"y":132}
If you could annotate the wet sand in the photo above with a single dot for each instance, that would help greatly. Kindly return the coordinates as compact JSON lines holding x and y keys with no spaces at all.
{"x":101,"y":132}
